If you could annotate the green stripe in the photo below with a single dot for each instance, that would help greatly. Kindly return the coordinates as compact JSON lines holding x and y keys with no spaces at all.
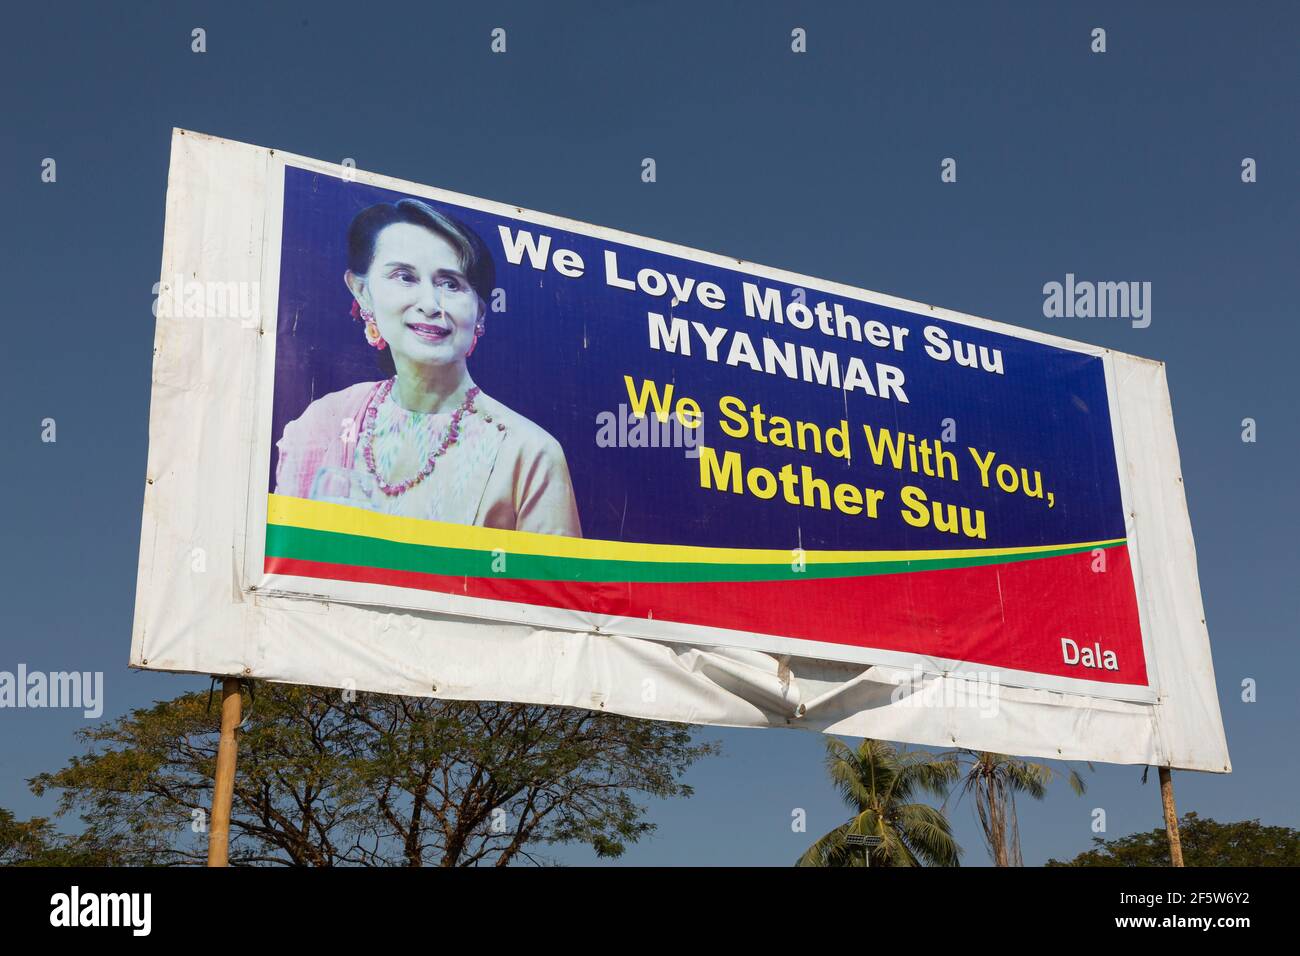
{"x":284,"y":541}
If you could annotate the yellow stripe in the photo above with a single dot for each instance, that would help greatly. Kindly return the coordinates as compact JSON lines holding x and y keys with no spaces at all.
{"x":342,"y":519}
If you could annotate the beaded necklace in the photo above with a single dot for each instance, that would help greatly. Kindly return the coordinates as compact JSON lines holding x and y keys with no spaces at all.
{"x":450,"y":438}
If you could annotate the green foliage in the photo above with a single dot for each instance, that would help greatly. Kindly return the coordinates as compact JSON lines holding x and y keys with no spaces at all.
{"x":879,"y":782}
{"x":1205,"y":843}
{"x":23,"y":842}
{"x":379,"y":781}
{"x":993,"y":780}
{"x":35,"y":842}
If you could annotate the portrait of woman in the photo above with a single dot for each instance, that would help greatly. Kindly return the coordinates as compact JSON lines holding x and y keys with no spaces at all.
{"x":425,"y":442}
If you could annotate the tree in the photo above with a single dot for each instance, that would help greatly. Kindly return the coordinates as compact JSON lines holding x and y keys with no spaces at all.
{"x":378,"y":781}
{"x":23,"y":841}
{"x":1205,"y":843}
{"x":993,"y":780}
{"x":879,"y":782}
{"x":35,"y":842}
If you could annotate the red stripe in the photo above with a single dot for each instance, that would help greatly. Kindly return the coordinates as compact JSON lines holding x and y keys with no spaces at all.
{"x":1012,"y":615}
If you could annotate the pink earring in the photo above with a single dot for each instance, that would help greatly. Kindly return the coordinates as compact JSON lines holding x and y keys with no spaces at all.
{"x":372,"y":328}
{"x":479,"y":329}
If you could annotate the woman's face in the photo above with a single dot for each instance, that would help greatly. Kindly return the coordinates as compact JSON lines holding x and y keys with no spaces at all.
{"x":423,"y":304}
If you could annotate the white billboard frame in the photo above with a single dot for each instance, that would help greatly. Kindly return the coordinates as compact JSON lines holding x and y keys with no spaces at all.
{"x":223,"y":222}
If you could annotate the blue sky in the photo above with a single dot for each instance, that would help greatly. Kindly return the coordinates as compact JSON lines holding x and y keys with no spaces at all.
{"x":1117,"y":166}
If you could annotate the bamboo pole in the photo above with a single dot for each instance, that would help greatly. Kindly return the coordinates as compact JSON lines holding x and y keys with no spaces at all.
{"x":1171,"y":817}
{"x":223,"y":790}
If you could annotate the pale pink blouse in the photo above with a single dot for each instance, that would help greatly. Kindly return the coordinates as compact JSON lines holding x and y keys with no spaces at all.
{"x":504,"y":473}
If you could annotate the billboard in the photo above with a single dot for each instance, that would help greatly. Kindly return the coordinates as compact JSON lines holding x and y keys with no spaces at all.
{"x":464,"y":449}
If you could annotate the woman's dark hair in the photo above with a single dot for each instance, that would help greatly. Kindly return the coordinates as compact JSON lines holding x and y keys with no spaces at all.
{"x":475,"y":259}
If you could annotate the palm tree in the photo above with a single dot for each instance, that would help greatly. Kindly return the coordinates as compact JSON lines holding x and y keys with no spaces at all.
{"x":994,"y":780}
{"x":878,"y":782}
